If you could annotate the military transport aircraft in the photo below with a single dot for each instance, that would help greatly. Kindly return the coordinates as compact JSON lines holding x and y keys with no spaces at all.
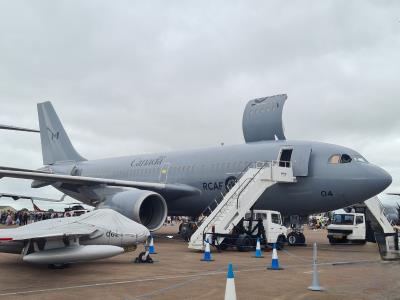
{"x":147,"y":187}
{"x":57,"y":242}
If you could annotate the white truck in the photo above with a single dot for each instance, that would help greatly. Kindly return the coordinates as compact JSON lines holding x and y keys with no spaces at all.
{"x":347,"y":228}
{"x":265,"y":225}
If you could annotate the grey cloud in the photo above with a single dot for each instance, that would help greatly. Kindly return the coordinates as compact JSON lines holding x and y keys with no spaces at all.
{"x":132,"y":76}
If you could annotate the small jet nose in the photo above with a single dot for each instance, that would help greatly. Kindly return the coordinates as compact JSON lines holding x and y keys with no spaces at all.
{"x":145,"y":233}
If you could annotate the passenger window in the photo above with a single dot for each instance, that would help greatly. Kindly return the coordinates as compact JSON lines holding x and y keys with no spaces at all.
{"x":360,"y":159}
{"x":359,"y":219}
{"x":275,"y":219}
{"x":262,"y":216}
{"x":334,"y":159}
{"x":345,"y":159}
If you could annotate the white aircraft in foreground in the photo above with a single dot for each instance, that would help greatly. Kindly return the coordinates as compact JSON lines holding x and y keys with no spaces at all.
{"x":58,"y":242}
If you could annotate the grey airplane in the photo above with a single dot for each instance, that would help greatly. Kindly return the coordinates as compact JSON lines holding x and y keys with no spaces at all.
{"x":148,"y":187}
{"x":58,"y":242}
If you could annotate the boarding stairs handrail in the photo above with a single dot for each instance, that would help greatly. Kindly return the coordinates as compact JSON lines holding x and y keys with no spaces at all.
{"x":377,"y":210}
{"x":216,"y":201}
{"x":208,"y":210}
{"x":232,"y":208}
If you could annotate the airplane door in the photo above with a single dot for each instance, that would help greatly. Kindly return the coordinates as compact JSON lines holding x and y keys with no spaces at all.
{"x":164,"y":172}
{"x":301,"y":159}
{"x":298,"y":156}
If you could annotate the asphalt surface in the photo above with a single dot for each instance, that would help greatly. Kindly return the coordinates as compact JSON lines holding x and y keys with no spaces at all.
{"x":345,"y":271}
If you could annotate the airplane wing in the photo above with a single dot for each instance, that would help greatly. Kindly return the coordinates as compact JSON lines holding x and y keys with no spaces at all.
{"x":48,"y":229}
{"x":24,"y":170}
{"x":32,"y":198}
{"x":177,"y":189}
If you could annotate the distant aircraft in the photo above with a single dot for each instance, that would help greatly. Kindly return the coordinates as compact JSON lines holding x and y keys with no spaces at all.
{"x":147,"y":187}
{"x":58,"y":242}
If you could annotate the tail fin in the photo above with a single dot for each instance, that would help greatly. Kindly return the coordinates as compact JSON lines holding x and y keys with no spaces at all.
{"x":56,"y":145}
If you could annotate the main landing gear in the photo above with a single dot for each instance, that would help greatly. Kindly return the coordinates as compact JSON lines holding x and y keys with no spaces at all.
{"x":296,"y":236}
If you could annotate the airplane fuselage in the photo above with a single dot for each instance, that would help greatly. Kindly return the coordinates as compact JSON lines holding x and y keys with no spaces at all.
{"x":321,"y":185}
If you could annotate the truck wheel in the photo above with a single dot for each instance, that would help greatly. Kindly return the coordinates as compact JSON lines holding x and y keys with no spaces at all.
{"x":224,"y":245}
{"x":331,"y":240}
{"x":243,"y":244}
{"x":280,"y":242}
{"x":292,"y":239}
{"x":302,"y":238}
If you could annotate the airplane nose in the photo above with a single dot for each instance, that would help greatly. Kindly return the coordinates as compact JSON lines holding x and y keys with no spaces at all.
{"x":379,"y":179}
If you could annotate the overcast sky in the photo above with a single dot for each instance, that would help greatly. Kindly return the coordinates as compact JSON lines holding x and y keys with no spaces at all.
{"x":128,"y":77}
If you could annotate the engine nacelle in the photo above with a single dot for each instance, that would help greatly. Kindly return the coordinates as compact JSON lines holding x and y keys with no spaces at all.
{"x":145,"y":207}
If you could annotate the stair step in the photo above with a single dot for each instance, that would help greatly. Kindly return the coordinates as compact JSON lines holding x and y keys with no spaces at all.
{"x":233,"y":206}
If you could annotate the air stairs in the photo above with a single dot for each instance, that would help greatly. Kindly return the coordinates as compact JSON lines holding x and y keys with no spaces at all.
{"x":240,"y":198}
{"x":386,"y":236}
{"x":379,"y":229}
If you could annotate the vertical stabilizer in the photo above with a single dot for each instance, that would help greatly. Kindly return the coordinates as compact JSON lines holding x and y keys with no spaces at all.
{"x":56,"y":145}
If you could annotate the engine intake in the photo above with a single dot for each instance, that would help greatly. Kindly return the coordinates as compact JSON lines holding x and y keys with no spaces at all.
{"x":145,"y":207}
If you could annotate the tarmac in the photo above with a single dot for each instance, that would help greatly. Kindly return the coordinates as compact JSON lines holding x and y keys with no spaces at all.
{"x":345,"y":271}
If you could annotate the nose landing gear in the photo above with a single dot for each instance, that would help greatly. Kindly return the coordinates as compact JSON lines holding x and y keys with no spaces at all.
{"x":144,"y":257}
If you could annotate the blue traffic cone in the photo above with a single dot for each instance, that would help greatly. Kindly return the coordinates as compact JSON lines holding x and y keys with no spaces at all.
{"x":258,"y":250}
{"x":207,"y":252}
{"x":230,"y":290}
{"x":151,"y":247}
{"x":275,"y":260}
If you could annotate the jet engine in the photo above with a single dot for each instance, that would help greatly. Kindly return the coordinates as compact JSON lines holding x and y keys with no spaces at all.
{"x":145,"y":207}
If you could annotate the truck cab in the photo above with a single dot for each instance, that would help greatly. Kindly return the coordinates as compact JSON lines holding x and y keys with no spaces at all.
{"x":272,"y":222}
{"x":347,"y":228}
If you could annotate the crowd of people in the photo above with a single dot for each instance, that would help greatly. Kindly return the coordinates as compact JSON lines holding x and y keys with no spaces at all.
{"x":318,"y":221}
{"x":24,"y":217}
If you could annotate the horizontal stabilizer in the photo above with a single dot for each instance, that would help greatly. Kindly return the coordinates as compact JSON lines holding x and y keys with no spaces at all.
{"x":8,"y":127}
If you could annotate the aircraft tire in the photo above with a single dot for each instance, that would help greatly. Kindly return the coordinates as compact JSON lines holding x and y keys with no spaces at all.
{"x":302,"y":238}
{"x":186,"y":230}
{"x":57,"y":266}
{"x":141,"y":260}
{"x":292,"y":239}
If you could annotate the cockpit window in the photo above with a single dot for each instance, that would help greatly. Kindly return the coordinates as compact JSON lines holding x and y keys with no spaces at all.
{"x":360,"y":159}
{"x":340,"y":159}
{"x":334,"y":159}
{"x":345,"y":159}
